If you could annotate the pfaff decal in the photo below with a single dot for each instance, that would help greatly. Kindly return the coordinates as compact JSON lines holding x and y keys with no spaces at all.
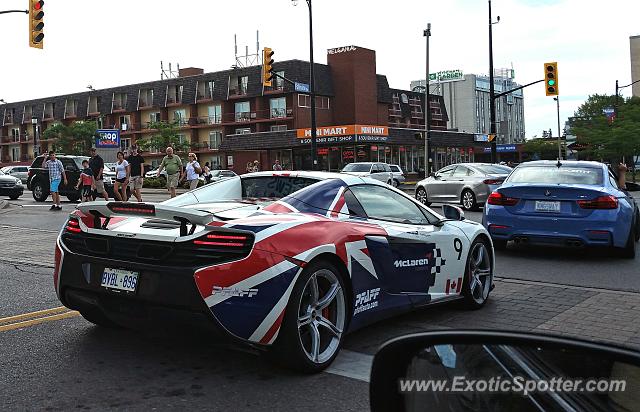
{"x":231,"y":291}
{"x":366,"y":300}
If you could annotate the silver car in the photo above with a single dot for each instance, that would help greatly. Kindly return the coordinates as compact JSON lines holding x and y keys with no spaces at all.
{"x":398,"y":175}
{"x":375,"y":170}
{"x":21,"y":172}
{"x":468,"y":184}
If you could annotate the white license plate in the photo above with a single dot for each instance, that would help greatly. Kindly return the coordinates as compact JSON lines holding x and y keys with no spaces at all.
{"x":119,"y":279}
{"x":545,"y":206}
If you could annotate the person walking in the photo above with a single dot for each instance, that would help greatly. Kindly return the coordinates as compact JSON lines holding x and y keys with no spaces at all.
{"x":277,"y":165}
{"x":123,"y":171}
{"x":207,"y":173}
{"x":256,"y":166}
{"x":56,"y":175}
{"x":96,"y":164}
{"x":136,"y":162}
{"x":173,"y":165}
{"x":193,"y":170}
{"x":87,"y":181}
{"x":249,"y":167}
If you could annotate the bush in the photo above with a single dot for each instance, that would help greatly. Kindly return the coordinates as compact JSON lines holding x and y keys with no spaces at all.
{"x":154,"y":183}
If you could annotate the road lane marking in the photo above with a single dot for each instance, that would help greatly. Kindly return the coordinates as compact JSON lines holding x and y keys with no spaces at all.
{"x":33,"y":314}
{"x":354,"y":365}
{"x":37,"y":320}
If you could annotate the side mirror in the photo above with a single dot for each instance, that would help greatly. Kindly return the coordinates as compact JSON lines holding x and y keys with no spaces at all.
{"x":434,"y":175}
{"x":452,"y":212}
{"x":487,"y":370}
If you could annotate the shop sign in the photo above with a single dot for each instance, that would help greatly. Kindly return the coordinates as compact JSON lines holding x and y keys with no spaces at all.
{"x":481,"y":138}
{"x":446,"y":76}
{"x":108,"y":138}
{"x":323,"y":151}
{"x":347,"y":154}
{"x":502,"y":148}
{"x":345,"y":134}
{"x":338,"y":50}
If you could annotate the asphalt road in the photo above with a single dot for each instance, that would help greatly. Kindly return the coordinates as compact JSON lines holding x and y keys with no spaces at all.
{"x":55,"y":360}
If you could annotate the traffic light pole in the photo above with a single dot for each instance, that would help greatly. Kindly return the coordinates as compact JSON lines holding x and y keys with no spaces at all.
{"x":492,"y":101}
{"x":14,"y":11}
{"x":427,"y":109}
{"x":312,"y":93}
{"x":557,"y":99}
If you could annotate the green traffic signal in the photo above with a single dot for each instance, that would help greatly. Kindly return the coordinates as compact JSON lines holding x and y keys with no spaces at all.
{"x":551,"y":82}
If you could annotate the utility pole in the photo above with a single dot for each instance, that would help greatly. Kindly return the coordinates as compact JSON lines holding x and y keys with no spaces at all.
{"x":492,"y":102}
{"x":557,"y":99}
{"x":427,"y":110}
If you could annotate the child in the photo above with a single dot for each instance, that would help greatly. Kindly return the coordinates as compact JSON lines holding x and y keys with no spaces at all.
{"x":88,"y":183}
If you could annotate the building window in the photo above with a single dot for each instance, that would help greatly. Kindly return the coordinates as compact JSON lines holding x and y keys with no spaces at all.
{"x":243,"y":112}
{"x":174,"y":94}
{"x":182,"y":139}
{"x":125,"y":144}
{"x":214,"y":114}
{"x":244,"y":84}
{"x":146,"y":98}
{"x":216,"y":162}
{"x":243,"y":130}
{"x":119,"y":101}
{"x":94,"y":105}
{"x":278,"y":107}
{"x":27,"y":114}
{"x":279,"y":81}
{"x":322,"y":102}
{"x":205,"y":90}
{"x":125,"y":122}
{"x":15,"y":154}
{"x":154,"y":117}
{"x":49,"y":109}
{"x":15,"y":134}
{"x":180,"y":117}
{"x":215,"y":139}
{"x":304,"y":100}
{"x":70,"y":108}
{"x":279,"y":128}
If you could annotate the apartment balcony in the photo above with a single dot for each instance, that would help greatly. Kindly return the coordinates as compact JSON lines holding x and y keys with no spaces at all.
{"x":204,"y":97}
{"x":257,"y":116}
{"x":144,"y":104}
{"x":174,"y":101}
{"x":237,"y":92}
{"x":70,"y":115}
{"x":118,"y":107}
{"x":26,"y":138}
{"x":8,"y":120}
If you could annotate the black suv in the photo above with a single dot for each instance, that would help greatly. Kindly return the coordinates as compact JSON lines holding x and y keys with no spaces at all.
{"x":38,"y":180}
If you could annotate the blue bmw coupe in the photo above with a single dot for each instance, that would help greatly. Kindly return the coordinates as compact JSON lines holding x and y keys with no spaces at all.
{"x":573,"y":203}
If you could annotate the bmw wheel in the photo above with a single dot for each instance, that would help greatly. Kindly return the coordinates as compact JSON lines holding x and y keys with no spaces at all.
{"x":468,"y":200}
{"x":315,"y":320}
{"x":479,"y":275}
{"x":421,"y":196}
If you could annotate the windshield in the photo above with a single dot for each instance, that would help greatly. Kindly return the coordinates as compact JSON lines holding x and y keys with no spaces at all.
{"x":357,"y":167}
{"x":556,"y":175}
{"x":493,"y":169}
{"x":1,"y":172}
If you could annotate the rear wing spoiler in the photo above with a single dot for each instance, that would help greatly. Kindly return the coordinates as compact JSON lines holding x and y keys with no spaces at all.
{"x":107,"y":210}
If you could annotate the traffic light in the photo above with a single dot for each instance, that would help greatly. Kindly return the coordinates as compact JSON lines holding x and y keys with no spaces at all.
{"x":36,"y":24}
{"x":491,"y":137}
{"x":551,"y":78}
{"x":267,"y":66}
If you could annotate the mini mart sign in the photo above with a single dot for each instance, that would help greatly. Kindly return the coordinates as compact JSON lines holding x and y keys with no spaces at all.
{"x":346,"y":133}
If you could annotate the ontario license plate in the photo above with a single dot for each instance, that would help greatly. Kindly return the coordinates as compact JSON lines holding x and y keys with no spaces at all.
{"x":120,"y":279}
{"x":545,"y":206}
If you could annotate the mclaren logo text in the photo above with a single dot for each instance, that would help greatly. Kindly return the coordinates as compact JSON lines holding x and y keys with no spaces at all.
{"x":230,"y":291}
{"x":410,"y":263}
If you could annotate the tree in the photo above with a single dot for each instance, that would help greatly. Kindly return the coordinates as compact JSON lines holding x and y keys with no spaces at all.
{"x":543,"y":149}
{"x":608,"y":139}
{"x":75,"y":139}
{"x":166,"y":135}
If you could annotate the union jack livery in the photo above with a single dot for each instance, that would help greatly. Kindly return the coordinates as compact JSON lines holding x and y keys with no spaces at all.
{"x":286,"y":261}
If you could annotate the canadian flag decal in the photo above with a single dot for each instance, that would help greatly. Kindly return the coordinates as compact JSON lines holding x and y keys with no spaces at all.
{"x":453,"y":285}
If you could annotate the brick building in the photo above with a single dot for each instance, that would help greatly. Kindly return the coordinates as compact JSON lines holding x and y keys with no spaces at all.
{"x":228,"y":117}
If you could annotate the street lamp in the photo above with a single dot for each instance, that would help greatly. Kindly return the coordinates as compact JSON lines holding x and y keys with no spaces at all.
{"x":90,"y":87}
{"x":557,"y":99}
{"x":427,"y":109}
{"x":312,"y":91}
{"x":492,"y":92}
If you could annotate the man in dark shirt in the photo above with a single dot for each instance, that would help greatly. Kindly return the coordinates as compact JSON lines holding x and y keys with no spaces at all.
{"x":97,"y":165}
{"x":137,"y":173}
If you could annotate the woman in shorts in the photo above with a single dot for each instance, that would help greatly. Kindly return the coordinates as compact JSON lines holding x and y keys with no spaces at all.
{"x":123,"y":171}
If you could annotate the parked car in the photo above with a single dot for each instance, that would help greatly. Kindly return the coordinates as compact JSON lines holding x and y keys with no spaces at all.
{"x":221,"y":174}
{"x":378,"y":171}
{"x":154,"y":173}
{"x":329,"y":254}
{"x":21,"y":172}
{"x":573,"y":203}
{"x":468,"y":184}
{"x":398,"y":175}
{"x":10,"y":186}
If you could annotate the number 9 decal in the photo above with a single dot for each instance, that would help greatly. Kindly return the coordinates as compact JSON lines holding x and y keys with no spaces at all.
{"x":457,"y":246}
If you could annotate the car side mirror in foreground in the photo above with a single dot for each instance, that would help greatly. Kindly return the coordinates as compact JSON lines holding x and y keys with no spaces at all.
{"x":502,"y":371}
{"x":452,"y":212}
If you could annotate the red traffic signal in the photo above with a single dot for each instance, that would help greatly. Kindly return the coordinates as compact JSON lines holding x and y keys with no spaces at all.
{"x":38,"y":5}
{"x":36,"y":25}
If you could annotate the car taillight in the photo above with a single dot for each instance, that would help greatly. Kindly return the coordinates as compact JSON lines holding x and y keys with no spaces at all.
{"x":224,"y":240}
{"x":30,"y":173}
{"x":498,"y":199}
{"x":73,"y":225}
{"x":602,"y":202}
{"x":492,"y":182}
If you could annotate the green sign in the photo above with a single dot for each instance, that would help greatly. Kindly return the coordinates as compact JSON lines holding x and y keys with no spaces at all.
{"x":446,"y":76}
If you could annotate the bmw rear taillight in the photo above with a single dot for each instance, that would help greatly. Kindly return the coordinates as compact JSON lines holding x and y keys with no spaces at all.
{"x":73,"y":225}
{"x":602,"y":202}
{"x":492,"y":182}
{"x":224,"y":239}
{"x":498,"y":199}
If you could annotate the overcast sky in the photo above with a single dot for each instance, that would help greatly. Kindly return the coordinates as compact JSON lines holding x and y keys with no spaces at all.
{"x":118,"y":42}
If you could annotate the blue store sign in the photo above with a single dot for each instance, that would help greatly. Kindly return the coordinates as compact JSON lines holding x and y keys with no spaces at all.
{"x":502,"y":148}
